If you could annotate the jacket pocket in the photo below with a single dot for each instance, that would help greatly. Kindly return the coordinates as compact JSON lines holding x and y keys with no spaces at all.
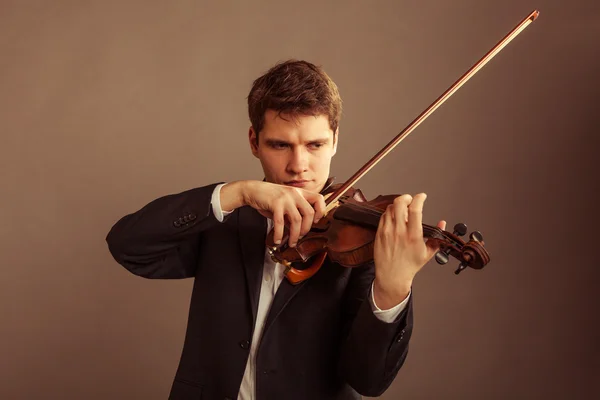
{"x":185,"y":390}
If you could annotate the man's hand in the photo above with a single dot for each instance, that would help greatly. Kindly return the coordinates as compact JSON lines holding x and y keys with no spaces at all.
{"x":400,"y":250}
{"x":296,"y":207}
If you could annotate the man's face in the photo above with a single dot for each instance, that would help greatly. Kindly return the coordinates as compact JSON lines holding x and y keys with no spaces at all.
{"x":295,"y":151}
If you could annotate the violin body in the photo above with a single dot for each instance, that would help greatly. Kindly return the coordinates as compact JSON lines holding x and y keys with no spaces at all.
{"x":347,"y":235}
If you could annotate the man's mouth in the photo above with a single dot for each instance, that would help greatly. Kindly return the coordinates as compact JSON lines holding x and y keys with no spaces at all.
{"x":298,"y":183}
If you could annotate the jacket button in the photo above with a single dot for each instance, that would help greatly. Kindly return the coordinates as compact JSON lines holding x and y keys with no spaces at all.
{"x":401,"y":336}
{"x":245,"y":344}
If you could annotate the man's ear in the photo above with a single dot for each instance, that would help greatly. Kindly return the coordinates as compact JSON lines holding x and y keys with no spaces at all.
{"x":253,"y":140}
{"x":336,"y":135}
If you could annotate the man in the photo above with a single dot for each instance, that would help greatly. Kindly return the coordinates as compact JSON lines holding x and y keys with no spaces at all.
{"x":251,"y":333}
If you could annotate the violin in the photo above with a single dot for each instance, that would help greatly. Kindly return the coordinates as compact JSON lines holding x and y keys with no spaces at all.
{"x":346,"y":233}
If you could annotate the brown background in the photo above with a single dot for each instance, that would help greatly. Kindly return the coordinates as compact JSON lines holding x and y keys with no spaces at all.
{"x":106,"y":105}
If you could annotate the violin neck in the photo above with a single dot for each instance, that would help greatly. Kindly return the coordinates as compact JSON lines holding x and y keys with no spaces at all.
{"x":369,"y":217}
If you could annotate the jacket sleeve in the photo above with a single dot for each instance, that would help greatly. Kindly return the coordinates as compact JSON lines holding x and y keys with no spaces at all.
{"x":373,"y":351}
{"x":160,"y":241}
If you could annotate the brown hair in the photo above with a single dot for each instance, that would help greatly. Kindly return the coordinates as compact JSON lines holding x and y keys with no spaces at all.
{"x":294,"y":87}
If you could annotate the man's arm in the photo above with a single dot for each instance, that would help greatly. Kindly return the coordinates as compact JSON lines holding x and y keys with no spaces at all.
{"x":374,"y":351}
{"x":374,"y":348}
{"x":390,"y":311}
{"x":160,"y":241}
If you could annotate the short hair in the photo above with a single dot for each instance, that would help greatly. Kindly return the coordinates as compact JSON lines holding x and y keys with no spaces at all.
{"x":294,"y":87}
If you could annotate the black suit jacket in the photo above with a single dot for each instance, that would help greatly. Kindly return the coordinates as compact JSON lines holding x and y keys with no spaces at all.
{"x":321,"y":339}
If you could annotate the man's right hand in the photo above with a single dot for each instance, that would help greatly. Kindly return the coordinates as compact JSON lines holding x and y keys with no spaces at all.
{"x":285,"y":205}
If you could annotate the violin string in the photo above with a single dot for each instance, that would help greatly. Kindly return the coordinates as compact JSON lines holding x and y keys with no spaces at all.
{"x":375,"y":211}
{"x":372,"y":210}
{"x":434,"y":232}
{"x":431,"y":230}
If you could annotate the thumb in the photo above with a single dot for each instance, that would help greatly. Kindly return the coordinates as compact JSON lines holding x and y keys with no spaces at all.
{"x":433,"y":246}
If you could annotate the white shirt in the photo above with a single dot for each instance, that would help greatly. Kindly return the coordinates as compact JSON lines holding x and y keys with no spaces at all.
{"x":272,"y":277}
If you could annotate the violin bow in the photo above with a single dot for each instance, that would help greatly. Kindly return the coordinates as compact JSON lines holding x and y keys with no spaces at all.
{"x":331,"y":201}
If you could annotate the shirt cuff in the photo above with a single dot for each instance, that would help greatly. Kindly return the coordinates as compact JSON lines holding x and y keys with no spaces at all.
{"x":216,"y":203}
{"x":388,"y":315}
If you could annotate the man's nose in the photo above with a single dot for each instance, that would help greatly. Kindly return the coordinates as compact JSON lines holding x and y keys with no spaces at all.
{"x":298,"y":162}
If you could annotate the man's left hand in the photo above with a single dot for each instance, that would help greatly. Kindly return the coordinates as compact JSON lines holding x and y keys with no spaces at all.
{"x":400,"y":250}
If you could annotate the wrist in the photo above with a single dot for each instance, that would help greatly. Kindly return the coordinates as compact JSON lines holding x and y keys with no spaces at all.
{"x":389,"y":294}
{"x":233,"y":195}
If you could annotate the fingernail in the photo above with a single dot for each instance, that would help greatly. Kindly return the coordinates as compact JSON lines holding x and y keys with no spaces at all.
{"x":278,"y":242}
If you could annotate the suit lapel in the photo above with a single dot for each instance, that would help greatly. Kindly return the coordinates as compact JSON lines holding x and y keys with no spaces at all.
{"x":284,"y":294}
{"x":252,"y":228}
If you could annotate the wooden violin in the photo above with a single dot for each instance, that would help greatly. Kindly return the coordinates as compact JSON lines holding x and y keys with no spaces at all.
{"x":346,"y":233}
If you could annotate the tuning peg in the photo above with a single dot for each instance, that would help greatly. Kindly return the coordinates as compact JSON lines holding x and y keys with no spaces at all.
{"x":460,"y":229}
{"x":441,"y":257}
{"x":476,"y":236}
{"x":460,"y":268}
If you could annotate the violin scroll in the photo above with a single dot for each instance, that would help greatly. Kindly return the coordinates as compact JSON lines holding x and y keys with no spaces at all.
{"x":471,"y":254}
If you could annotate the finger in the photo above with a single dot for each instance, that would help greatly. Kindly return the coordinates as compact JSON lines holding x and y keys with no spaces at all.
{"x":433,"y":246}
{"x":278,"y":225}
{"x":317,"y":201}
{"x":306,"y":211}
{"x":295,"y":220}
{"x":401,"y":212}
{"x":308,"y":214}
{"x":319,"y":207}
{"x":390,"y":215}
{"x":415,"y":216}
{"x":383,"y":219}
{"x":386,"y":220}
{"x":442,"y":225}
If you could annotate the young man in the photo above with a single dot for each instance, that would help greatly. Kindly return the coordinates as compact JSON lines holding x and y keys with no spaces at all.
{"x":252,"y":334}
